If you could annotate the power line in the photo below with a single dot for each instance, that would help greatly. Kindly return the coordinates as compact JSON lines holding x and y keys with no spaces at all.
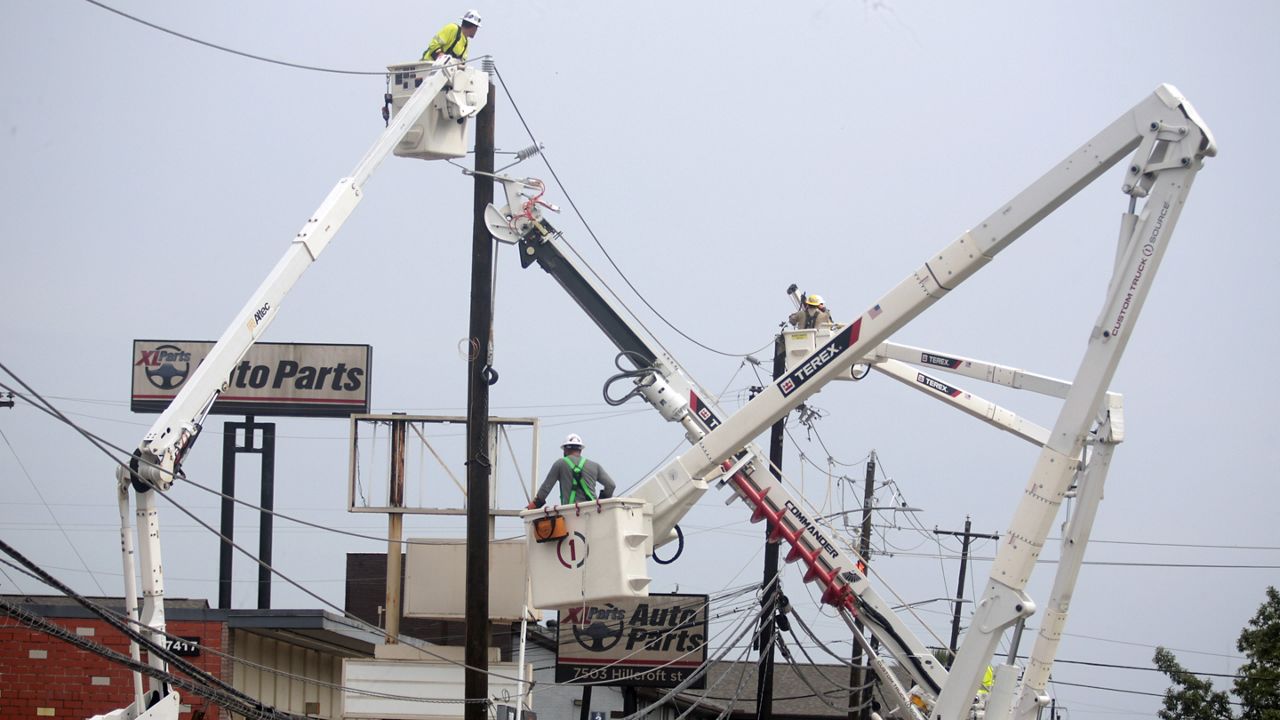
{"x":1117,"y":563}
{"x":596,"y":239}
{"x":1150,"y":669}
{"x":48,"y":509}
{"x":226,"y":49}
{"x":1124,"y":691}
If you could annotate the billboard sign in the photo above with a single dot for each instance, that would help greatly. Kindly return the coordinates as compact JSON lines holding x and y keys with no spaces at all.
{"x":273,"y":379}
{"x":657,"y":641}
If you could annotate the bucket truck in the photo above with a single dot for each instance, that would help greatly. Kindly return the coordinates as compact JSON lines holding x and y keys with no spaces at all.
{"x":599,"y":548}
{"x":431,"y":103}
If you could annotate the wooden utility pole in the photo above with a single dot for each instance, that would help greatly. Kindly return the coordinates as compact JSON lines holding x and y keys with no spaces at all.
{"x":395,"y":533}
{"x":964,"y":561}
{"x":764,"y":679}
{"x":859,"y":689}
{"x":479,"y":464}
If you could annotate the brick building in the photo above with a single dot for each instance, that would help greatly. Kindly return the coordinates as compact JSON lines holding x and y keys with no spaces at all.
{"x":42,"y":676}
{"x":290,"y":659}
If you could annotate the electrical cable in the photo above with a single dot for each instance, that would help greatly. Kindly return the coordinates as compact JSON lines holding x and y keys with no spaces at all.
{"x":44,"y":502}
{"x":35,"y":622}
{"x":188,"y":481}
{"x":679,"y":549}
{"x":232,"y":51}
{"x":96,"y":439}
{"x":817,"y":694}
{"x":153,"y":649}
{"x":595,"y":238}
{"x":97,"y":442}
{"x":766,"y":608}
{"x":693,"y":676}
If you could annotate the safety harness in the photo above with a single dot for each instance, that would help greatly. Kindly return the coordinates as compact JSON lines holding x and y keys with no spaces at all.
{"x":449,"y":50}
{"x":577,"y":479}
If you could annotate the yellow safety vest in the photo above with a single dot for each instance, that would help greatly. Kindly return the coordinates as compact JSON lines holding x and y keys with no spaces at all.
{"x":988,"y":678}
{"x":449,"y":41}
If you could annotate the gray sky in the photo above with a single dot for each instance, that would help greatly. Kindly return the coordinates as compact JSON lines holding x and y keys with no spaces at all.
{"x":720,"y":151}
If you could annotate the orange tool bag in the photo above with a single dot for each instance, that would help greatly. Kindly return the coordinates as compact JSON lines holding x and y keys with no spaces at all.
{"x":546,"y":529}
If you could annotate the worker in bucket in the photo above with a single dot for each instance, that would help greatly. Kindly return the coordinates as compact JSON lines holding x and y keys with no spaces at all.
{"x":576,"y":476}
{"x":813,"y":313}
{"x":452,"y":40}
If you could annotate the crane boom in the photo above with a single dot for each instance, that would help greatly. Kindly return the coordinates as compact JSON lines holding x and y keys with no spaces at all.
{"x":1168,"y":142}
{"x":450,"y":90}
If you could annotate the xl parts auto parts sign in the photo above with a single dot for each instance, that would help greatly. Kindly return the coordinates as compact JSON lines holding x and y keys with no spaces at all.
{"x":273,"y":379}
{"x":656,"y":641}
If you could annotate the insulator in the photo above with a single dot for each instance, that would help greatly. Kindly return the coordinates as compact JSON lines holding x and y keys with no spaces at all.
{"x":529,"y":152}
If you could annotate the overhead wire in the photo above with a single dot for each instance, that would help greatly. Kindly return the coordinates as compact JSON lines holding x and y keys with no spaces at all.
{"x":226,"y":49}
{"x":234,"y":545}
{"x":746,"y":622}
{"x":98,"y":440}
{"x":200,"y":689}
{"x":569,"y":199}
{"x":330,"y":70}
{"x":52,"y":515}
{"x":125,"y":627}
{"x":105,"y":447}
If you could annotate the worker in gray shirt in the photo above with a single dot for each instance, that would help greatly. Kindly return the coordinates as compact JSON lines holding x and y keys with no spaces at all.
{"x":576,"y":475}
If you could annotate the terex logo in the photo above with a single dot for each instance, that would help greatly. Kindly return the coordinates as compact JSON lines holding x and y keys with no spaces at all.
{"x":166,"y":366}
{"x":939,"y":360}
{"x":820,"y":358}
{"x":937,"y":385}
{"x":703,"y":412}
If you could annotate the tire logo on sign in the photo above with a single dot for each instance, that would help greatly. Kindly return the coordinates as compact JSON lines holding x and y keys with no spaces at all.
{"x":598,"y":636}
{"x":166,"y":366}
{"x":572,"y":550}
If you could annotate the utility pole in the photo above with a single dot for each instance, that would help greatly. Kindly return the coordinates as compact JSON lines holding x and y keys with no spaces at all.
{"x":964,"y":561}
{"x":860,"y":690}
{"x":395,"y":532}
{"x":479,"y":464}
{"x":764,"y":679}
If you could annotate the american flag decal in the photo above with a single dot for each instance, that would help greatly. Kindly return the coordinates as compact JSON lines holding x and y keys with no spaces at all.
{"x":874,"y":312}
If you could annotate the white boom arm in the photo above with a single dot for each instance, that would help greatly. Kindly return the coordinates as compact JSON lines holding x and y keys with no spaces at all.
{"x":1026,"y":689}
{"x":158,"y":459}
{"x":1168,"y":142}
{"x":1171,"y":143}
{"x":666,"y":386}
{"x":176,"y":428}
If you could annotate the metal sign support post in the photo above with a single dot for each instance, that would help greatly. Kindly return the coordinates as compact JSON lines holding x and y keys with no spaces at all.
{"x":231,"y":448}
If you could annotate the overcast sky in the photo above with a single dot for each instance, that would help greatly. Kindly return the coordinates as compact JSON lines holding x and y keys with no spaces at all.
{"x":720,"y":151}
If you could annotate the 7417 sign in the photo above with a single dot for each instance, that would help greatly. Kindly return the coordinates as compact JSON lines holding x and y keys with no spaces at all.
{"x":184,"y":646}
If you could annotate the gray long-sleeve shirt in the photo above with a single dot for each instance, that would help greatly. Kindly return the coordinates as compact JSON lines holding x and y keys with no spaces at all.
{"x":560,"y":473}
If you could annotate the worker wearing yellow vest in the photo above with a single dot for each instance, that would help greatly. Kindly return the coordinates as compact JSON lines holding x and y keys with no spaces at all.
{"x":453,"y":38}
{"x":576,"y":475}
{"x":988,"y":678}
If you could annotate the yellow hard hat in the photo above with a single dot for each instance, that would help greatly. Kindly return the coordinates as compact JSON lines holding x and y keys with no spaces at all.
{"x":814,"y":300}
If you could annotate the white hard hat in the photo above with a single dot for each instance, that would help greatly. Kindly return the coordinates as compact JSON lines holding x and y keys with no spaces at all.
{"x":572,"y":439}
{"x":814,"y":300}
{"x":471,"y":16}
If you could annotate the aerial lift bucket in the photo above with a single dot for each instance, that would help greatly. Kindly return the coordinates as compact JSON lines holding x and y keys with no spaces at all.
{"x":589,"y":552}
{"x":442,"y":130}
